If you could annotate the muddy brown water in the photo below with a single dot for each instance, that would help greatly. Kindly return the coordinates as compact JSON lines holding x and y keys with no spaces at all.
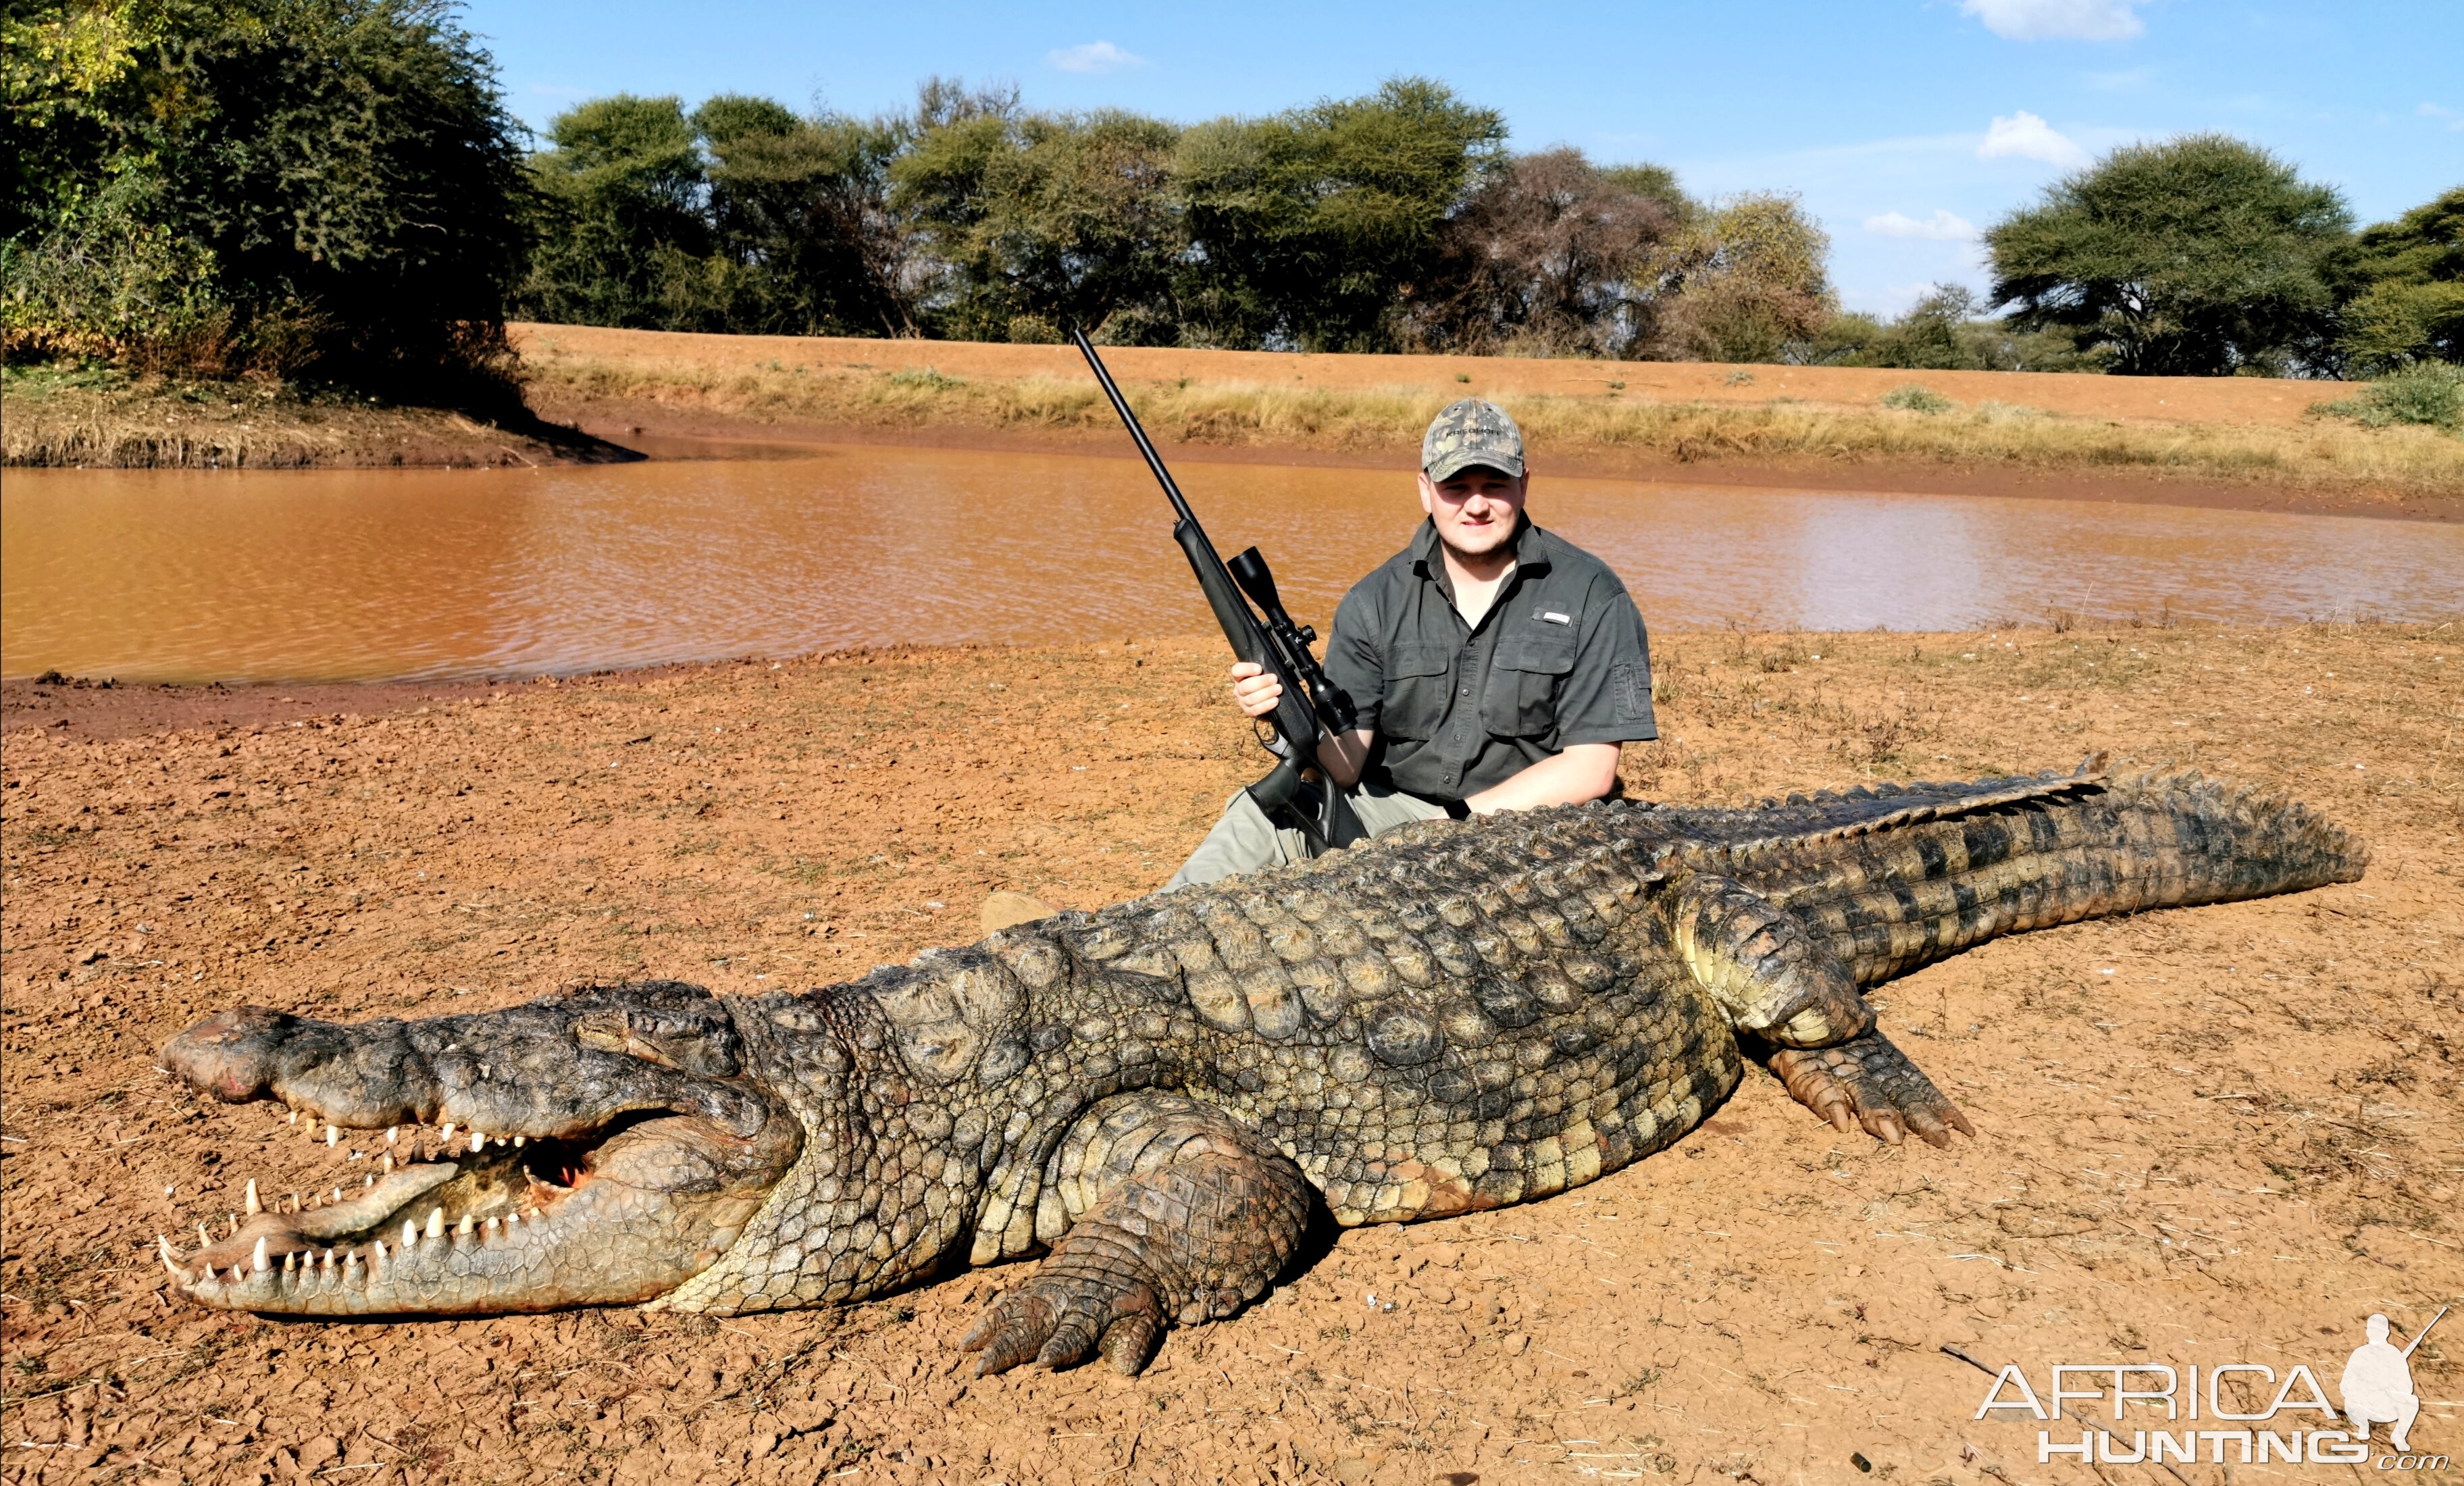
{"x":355,"y":575}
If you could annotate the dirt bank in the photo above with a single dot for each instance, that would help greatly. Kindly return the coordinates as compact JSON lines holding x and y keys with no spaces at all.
{"x":102,"y":421}
{"x":2236,"y":441}
{"x":2213,"y":1135}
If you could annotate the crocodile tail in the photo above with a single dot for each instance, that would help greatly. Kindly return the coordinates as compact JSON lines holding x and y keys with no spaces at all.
{"x":1915,"y":893}
{"x":2231,"y":841}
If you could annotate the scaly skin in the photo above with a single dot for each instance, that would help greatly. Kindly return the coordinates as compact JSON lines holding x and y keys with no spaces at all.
{"x":1454,"y":1017}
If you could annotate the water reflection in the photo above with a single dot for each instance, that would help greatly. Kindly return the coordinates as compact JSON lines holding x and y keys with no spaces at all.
{"x":331,"y":575}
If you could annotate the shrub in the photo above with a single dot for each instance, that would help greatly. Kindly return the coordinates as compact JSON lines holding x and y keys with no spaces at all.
{"x":2428,"y":393}
{"x":1915,"y":399}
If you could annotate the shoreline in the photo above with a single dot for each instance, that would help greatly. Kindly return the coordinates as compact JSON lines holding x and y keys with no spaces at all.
{"x":2239,"y":442}
{"x":665,"y":432}
{"x":599,"y":395}
{"x":97,"y":710}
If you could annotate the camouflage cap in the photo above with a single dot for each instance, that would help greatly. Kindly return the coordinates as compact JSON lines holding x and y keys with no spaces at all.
{"x":1471,"y":432}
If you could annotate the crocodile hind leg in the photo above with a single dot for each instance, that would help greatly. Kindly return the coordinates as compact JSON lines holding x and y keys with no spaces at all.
{"x":1791,"y":998}
{"x":1868,"y":1081}
{"x":1177,"y":1215}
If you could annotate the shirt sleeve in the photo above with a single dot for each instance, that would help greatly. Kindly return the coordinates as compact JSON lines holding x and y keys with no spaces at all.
{"x":1607,"y":696}
{"x":1354,"y":659}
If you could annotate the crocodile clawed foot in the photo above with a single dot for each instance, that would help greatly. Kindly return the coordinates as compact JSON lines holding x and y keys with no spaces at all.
{"x":1866,"y":1081}
{"x":1059,"y":1318}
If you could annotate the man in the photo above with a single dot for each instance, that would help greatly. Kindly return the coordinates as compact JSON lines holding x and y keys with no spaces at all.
{"x":1495,"y":667}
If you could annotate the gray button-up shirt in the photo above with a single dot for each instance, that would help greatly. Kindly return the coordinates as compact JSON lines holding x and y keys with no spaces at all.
{"x":1559,"y":659}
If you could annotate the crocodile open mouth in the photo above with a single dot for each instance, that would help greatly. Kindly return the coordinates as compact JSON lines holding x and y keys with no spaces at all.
{"x":615,"y":1207}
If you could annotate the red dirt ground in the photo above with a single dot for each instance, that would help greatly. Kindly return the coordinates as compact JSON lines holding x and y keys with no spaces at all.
{"x":2213,"y":1135}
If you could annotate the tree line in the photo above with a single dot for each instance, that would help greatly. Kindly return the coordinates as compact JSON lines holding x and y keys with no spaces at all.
{"x":334,"y":188}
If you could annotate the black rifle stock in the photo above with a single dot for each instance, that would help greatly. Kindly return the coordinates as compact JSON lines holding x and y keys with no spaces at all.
{"x":1279,"y":647}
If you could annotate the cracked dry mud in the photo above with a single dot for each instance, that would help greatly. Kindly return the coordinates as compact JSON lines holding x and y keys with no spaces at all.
{"x":2205,"y":1135}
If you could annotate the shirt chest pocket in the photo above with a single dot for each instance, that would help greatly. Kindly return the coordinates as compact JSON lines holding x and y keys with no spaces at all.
{"x":1524,"y":680}
{"x":1419,"y":680}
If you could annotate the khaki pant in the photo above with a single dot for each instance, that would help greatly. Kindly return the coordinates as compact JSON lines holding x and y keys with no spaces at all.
{"x":1245,"y":841}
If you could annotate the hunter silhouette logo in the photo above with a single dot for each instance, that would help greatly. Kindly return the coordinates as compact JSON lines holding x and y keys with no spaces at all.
{"x":2376,"y":1388}
{"x":2378,"y":1383}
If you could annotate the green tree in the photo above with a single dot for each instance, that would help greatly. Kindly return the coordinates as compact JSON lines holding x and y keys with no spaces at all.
{"x":803,"y":238}
{"x":1745,"y":281}
{"x":2404,"y":289}
{"x":1541,"y":260}
{"x":2197,"y":257}
{"x":324,"y":186}
{"x":1034,"y":221}
{"x":621,"y":221}
{"x":1311,"y":229}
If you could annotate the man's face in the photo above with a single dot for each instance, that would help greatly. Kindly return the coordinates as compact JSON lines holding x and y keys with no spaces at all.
{"x":1476,"y":509}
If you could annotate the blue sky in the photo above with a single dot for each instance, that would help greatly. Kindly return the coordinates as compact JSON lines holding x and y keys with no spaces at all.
{"x":1905,"y":124}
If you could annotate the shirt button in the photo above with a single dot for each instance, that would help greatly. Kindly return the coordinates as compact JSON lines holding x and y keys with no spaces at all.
{"x":1466,"y":691}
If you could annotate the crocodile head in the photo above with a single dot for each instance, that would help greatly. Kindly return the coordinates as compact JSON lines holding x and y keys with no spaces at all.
{"x":597,"y":1148}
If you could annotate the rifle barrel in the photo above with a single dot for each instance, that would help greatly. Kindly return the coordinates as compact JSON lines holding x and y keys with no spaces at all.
{"x":2425,"y":1331}
{"x":1121,"y":406}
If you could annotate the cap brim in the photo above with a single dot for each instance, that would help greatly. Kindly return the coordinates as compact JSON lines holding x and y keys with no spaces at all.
{"x":1508,"y":465}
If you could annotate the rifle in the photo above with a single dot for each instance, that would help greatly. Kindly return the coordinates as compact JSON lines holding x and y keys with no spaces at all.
{"x":2425,"y":1331}
{"x":1278,"y":646}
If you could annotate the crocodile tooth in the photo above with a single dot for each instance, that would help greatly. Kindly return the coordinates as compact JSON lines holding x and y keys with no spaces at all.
{"x":255,"y":1207}
{"x":436,"y":1222}
{"x":258,"y":1259}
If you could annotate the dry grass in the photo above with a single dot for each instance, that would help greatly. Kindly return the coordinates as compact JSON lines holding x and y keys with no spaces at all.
{"x":1388,"y":421}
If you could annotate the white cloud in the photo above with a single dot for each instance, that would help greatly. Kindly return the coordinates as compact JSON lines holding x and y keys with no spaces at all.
{"x":2023,"y":136}
{"x":1095,"y":57}
{"x":2454,"y":119}
{"x":2065,"y":20}
{"x":1943,"y":227}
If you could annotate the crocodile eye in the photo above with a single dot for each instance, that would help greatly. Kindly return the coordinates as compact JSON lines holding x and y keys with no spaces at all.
{"x":689,"y":1046}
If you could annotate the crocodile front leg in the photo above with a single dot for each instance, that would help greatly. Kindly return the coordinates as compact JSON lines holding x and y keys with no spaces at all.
{"x":1794,"y":1001}
{"x":1178,"y":1214}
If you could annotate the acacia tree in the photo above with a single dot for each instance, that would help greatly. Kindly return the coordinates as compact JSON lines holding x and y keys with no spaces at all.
{"x":1542,"y":260}
{"x":803,"y":238}
{"x":1311,"y":228}
{"x":621,"y":189}
{"x":2404,"y":287}
{"x":2195,"y":256}
{"x":1745,"y":281}
{"x":1035,"y":221}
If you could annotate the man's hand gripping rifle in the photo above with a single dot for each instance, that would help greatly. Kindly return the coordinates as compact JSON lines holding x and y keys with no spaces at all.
{"x":1278,"y":646}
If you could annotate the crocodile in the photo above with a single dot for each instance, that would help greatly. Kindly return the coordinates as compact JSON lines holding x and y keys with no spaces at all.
{"x":1161,"y":1097}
